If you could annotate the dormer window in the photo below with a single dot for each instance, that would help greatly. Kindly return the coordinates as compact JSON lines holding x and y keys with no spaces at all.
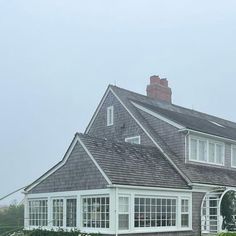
{"x":110,"y":116}
{"x":133,"y":140}
{"x":206,"y":151}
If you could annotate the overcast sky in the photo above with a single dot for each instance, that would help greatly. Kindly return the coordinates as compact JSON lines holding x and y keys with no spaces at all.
{"x":58,"y":56}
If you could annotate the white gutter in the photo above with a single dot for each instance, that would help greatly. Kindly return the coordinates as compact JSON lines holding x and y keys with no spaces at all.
{"x":206,"y":134}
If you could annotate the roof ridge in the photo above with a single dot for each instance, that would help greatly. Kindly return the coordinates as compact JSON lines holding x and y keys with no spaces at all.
{"x":172,"y":105}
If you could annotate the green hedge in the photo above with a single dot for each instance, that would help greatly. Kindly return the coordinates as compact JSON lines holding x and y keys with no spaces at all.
{"x":61,"y":232}
{"x":227,"y":234}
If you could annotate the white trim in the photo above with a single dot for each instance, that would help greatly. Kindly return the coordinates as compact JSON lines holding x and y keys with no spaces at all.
{"x":128,"y":139}
{"x":208,"y":135}
{"x":133,"y":187}
{"x":157,"y":115}
{"x":97,"y":110}
{"x":232,"y":155}
{"x":110,"y":115}
{"x":147,"y":133}
{"x":94,"y":161}
{"x":64,"y":160}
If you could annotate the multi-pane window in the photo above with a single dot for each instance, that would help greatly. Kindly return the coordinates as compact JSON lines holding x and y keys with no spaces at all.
{"x":233,"y":158}
{"x":110,"y":115}
{"x":155,"y":212}
{"x":71,"y":209}
{"x":57,"y":212}
{"x":38,"y":212}
{"x":184,"y":212}
{"x":134,"y":140}
{"x":208,"y":151}
{"x":96,"y":212}
{"x":123,"y":213}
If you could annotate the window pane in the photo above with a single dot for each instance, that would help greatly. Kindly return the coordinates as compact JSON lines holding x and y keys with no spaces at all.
{"x":211,"y":152}
{"x":193,"y":149}
{"x":96,"y":212}
{"x":38,"y":212}
{"x":202,"y":151}
{"x":71,"y":212}
{"x":156,"y":212}
{"x":123,"y":221}
{"x":234,"y":156}
{"x":184,"y":220}
{"x":57,"y":212}
{"x":219,"y":154}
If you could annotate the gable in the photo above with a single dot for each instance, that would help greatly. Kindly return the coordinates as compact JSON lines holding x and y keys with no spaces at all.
{"x":78,"y":173}
{"x":124,"y":125}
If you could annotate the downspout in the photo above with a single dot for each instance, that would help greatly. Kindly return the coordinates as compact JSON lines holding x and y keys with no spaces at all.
{"x":116,"y":211}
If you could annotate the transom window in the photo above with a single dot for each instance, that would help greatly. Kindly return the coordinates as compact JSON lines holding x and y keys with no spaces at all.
{"x":123,"y":213}
{"x":233,"y":156}
{"x":205,"y":150}
{"x":155,"y":212}
{"x":110,"y":116}
{"x":57,"y":212}
{"x":134,"y":140}
{"x":38,"y":212}
{"x":96,"y":212}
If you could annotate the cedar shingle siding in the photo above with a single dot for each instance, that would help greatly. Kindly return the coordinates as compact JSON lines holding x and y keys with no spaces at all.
{"x":78,"y":173}
{"x":124,"y":126}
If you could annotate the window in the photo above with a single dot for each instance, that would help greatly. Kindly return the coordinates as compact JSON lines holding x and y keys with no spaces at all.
{"x":233,"y":156}
{"x":96,"y":212}
{"x":110,"y":115}
{"x":155,"y":212}
{"x":57,"y":212}
{"x":71,"y":212}
{"x":123,"y":213}
{"x":134,"y":140}
{"x":38,"y":212}
{"x":184,"y":213}
{"x":208,"y":151}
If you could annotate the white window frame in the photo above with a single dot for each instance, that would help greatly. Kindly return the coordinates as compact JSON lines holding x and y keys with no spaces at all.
{"x":63,"y":212}
{"x":37,"y":219}
{"x":215,"y":142}
{"x":233,"y":147}
{"x":128,"y":213}
{"x":128,"y":139}
{"x":82,"y":212}
{"x":76,"y":215}
{"x":110,"y":115}
{"x":185,"y":213}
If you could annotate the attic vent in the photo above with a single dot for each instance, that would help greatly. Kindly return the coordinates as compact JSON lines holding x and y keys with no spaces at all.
{"x":215,"y":123}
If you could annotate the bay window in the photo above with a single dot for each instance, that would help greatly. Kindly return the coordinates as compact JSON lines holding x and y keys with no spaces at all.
{"x":206,"y":150}
{"x":38,"y":212}
{"x":96,"y":213}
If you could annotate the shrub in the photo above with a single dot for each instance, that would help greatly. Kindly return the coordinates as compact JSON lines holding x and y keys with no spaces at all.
{"x":60,"y":232}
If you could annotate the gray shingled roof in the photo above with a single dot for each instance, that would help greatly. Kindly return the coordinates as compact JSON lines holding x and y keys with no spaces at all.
{"x":195,"y":173}
{"x":132,"y":164}
{"x":188,"y":118}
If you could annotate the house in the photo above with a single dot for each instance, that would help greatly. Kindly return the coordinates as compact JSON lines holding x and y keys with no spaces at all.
{"x":143,"y":166}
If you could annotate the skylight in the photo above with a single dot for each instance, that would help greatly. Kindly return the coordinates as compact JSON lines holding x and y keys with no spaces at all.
{"x":215,"y":123}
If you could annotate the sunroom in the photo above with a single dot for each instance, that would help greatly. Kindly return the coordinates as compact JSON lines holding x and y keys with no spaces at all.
{"x":111,"y":211}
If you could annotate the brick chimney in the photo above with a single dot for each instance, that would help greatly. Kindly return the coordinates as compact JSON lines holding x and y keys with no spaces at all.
{"x":158,"y":89}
